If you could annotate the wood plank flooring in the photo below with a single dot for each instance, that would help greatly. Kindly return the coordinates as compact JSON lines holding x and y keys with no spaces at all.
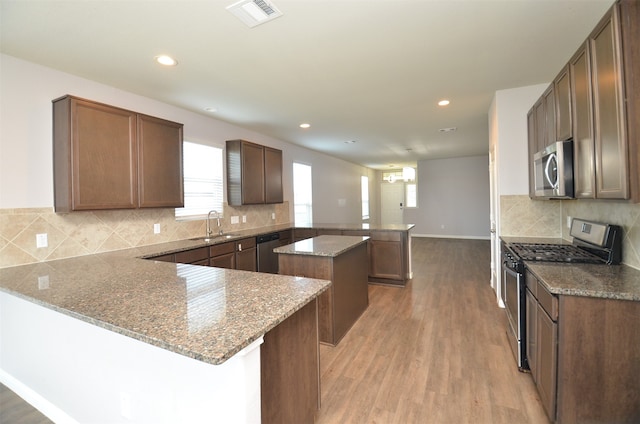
{"x":14,"y":410}
{"x":433,"y":352}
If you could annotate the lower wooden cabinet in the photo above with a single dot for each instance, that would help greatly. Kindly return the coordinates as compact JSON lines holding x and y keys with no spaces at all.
{"x":223,"y":255}
{"x":387,"y":259}
{"x":290,"y":369}
{"x":246,"y":254}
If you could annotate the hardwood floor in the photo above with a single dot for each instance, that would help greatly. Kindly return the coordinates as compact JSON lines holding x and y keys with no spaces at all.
{"x":14,"y":410}
{"x":433,"y":352}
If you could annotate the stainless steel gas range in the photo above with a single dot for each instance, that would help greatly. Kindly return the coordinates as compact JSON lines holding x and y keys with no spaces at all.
{"x":593,"y":242}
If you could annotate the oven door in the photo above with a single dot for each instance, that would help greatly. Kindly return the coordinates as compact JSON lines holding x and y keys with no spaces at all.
{"x":513,"y":290}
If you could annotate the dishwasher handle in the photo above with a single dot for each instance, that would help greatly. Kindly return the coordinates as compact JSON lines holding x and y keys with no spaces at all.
{"x":267,"y":237}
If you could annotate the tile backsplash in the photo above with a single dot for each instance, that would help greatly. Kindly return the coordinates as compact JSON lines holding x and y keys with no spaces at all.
{"x":521,"y":216}
{"x":83,"y":233}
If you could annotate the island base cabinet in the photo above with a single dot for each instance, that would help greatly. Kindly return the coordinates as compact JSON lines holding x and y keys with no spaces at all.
{"x":290,"y":369}
{"x":598,"y":361}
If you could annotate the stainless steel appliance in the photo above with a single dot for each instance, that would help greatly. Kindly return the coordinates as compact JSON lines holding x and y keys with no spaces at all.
{"x":593,"y":242}
{"x":267,"y":260}
{"x":553,"y":171}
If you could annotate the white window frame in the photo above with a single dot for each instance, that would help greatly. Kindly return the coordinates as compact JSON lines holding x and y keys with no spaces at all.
{"x":364,"y":193}
{"x":302,"y":193}
{"x":204,"y":184}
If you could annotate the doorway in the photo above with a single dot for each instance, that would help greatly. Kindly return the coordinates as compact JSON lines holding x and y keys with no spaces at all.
{"x":391,"y":203}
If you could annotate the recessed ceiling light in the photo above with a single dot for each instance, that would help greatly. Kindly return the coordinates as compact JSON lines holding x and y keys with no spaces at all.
{"x":443,"y":102}
{"x":349,"y":142}
{"x":166,"y":60}
{"x":450,"y":129}
{"x":305,"y":125}
{"x":211,"y":109}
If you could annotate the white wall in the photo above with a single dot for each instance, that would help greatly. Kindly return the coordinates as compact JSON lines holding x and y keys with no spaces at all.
{"x":453,"y":193}
{"x":26,"y":170}
{"x":509,"y":109}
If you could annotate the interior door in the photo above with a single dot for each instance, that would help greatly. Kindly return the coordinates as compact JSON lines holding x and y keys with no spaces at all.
{"x":392,"y":202}
{"x":494,"y":219}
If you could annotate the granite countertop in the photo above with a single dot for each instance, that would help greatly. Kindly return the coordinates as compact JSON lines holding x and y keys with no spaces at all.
{"x":204,"y":313}
{"x":358,"y":226}
{"x":590,"y":280}
{"x":330,"y":246}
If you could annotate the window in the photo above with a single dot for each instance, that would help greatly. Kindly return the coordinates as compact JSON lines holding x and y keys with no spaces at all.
{"x":411,"y":197}
{"x":364,"y":183}
{"x":302,"y":197}
{"x":203,"y":176}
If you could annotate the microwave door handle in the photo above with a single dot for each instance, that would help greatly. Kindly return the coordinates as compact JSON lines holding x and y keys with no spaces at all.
{"x":554,"y":184}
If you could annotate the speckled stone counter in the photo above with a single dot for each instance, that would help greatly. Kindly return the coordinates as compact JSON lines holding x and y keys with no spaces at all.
{"x":602,"y":281}
{"x":359,"y":226}
{"x":330,"y":246}
{"x":204,"y":313}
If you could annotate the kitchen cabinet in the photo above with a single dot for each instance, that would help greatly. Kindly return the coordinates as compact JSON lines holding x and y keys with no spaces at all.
{"x":609,"y":109}
{"x":343,"y":261}
{"x":542,"y":341}
{"x":246,"y":258}
{"x":254,"y":173}
{"x":198,"y":256}
{"x":304,"y":233}
{"x":105,"y":157}
{"x":532,"y":146}
{"x":562,"y":96}
{"x":290,"y":369}
{"x":582,"y":121}
{"x":286,"y":237}
{"x":223,"y":255}
{"x":387,"y":262}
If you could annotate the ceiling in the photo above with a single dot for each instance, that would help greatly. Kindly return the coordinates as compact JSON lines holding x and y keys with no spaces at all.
{"x":369,"y":71}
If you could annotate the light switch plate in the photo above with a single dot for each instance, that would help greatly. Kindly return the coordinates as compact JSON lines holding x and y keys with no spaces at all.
{"x":235,"y":220}
{"x":156,"y":228}
{"x":244,"y":219}
{"x":273,"y":215}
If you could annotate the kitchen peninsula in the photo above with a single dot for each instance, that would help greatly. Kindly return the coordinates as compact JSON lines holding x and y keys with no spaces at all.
{"x":114,"y":338}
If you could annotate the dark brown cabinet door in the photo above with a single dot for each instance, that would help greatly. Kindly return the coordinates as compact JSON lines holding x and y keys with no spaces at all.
{"x":609,"y":112}
{"x":246,"y":254}
{"x":550,"y":117}
{"x":562,"y":91}
{"x":94,"y":156}
{"x":227,"y":260}
{"x":386,"y":259}
{"x":531,"y":331}
{"x":252,"y":174}
{"x":273,"y":175}
{"x":547,"y":361}
{"x":160,"y":163}
{"x":541,"y":125}
{"x":533,"y":145}
{"x":582,"y":112}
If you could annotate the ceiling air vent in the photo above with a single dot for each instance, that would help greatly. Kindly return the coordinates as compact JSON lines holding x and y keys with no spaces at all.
{"x":254,"y":12}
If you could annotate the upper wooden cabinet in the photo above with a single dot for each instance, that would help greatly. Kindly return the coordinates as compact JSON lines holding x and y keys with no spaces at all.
{"x":562,"y":96}
{"x":584,"y":175}
{"x":111,"y":158}
{"x":609,"y":108}
{"x":254,"y":173}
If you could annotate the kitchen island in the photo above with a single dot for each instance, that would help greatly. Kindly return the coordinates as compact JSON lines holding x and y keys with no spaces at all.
{"x":114,"y":338}
{"x":341,"y":259}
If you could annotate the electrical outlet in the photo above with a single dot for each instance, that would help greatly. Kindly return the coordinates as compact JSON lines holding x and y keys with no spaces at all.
{"x":41,"y":240}
{"x":43,"y":282}
{"x":235,"y":220}
{"x":244,"y":219}
{"x":273,"y":215}
{"x":569,"y":222}
{"x":156,"y":228}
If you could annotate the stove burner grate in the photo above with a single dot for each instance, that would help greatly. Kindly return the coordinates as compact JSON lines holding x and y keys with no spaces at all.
{"x":554,"y":253}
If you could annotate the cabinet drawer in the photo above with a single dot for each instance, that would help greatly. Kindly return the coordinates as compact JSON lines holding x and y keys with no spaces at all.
{"x":385,"y":235}
{"x":355,"y":233}
{"x":222,"y":249}
{"x":304,"y":233}
{"x":532,"y":283}
{"x":245,"y":244}
{"x":191,"y":256}
{"x":548,"y":301}
{"x":165,"y":258}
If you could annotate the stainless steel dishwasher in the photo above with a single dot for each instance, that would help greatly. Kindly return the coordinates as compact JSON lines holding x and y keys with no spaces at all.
{"x":267,"y":260}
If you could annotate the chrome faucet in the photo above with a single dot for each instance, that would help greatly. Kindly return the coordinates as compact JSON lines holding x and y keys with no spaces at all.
{"x":209,"y":231}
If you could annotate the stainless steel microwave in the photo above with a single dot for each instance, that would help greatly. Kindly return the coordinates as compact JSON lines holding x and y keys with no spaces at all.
{"x":553,"y":171}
